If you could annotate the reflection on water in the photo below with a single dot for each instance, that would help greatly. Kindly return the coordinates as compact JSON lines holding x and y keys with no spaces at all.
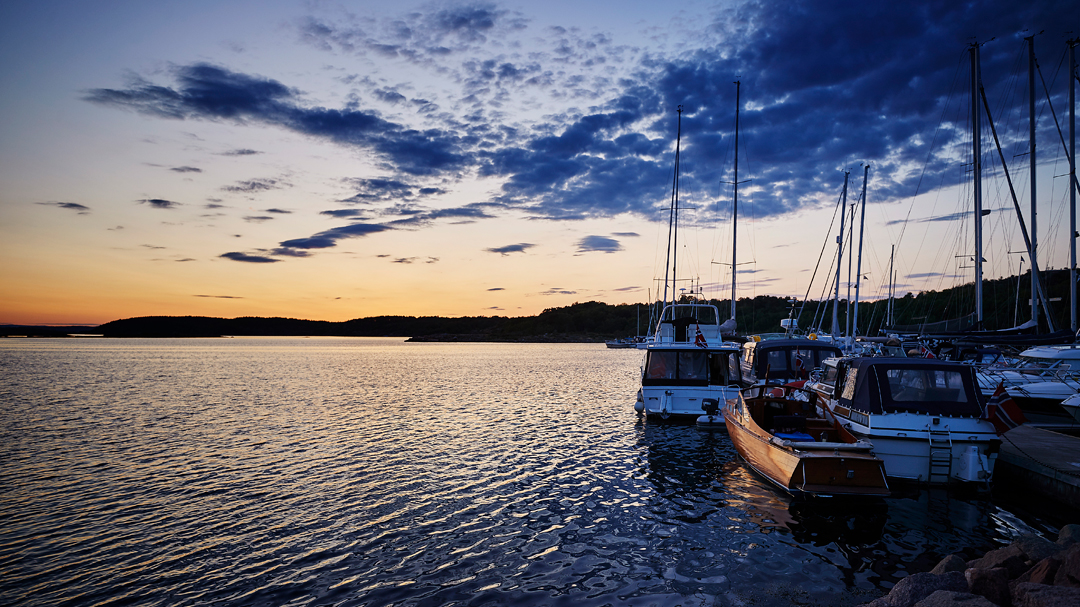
{"x":373,"y":472}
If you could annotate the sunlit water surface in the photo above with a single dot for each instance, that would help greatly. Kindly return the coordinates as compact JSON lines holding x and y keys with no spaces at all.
{"x":336,"y":471}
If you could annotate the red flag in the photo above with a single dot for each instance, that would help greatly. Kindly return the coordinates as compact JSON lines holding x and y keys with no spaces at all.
{"x":699,"y":340}
{"x":1003,"y":412}
{"x":927,"y":353}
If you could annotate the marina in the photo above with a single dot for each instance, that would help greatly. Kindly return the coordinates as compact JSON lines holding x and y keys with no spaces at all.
{"x":362,"y":471}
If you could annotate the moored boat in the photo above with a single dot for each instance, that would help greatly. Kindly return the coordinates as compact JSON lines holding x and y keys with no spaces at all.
{"x":924,"y":417}
{"x":687,"y":364}
{"x":777,"y":432}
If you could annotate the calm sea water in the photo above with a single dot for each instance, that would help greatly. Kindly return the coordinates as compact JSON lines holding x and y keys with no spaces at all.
{"x":328,"y":471}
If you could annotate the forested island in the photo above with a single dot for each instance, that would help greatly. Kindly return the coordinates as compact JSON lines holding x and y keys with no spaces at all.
{"x":1005,"y":305}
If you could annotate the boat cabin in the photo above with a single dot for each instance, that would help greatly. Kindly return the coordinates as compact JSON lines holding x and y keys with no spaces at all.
{"x":783,"y":360}
{"x":903,"y":385}
{"x":691,"y":367}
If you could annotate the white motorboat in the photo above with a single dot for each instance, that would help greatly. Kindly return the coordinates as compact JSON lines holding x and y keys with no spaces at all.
{"x":924,"y":417}
{"x":687,"y":364}
{"x":1039,"y":382}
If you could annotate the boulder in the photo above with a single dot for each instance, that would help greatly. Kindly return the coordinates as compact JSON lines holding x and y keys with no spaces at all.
{"x":947,"y":598}
{"x":990,"y":583}
{"x":1041,"y":595}
{"x":1009,"y":557}
{"x":1068,"y":574}
{"x":953,"y":562}
{"x":1036,"y":548}
{"x":918,"y":586}
{"x":1069,"y":535}
{"x":1043,"y":572}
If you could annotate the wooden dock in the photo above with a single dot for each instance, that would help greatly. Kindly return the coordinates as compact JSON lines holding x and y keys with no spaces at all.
{"x":1041,"y":461}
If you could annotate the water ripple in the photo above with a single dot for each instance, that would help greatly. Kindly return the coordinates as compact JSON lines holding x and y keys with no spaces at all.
{"x":376,"y":472}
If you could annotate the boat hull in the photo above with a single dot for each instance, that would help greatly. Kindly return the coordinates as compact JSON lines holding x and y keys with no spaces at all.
{"x":903,"y":441}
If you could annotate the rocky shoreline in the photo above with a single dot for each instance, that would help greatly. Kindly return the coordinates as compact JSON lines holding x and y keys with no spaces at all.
{"x":1030,"y":572}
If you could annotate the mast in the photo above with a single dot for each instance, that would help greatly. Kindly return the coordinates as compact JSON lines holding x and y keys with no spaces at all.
{"x":735,"y":200}
{"x":858,"y":265}
{"x":1072,"y":177}
{"x":977,"y":179}
{"x":669,"y":264}
{"x":892,"y":288}
{"x":1031,"y":163}
{"x":839,"y":257}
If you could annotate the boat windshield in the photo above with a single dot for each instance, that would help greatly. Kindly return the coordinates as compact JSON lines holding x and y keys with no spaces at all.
{"x":700,"y":314}
{"x":918,"y":385}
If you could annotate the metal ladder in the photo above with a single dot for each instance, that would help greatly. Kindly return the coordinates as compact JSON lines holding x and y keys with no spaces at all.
{"x":940,"y":455}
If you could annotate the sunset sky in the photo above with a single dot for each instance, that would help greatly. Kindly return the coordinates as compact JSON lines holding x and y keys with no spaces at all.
{"x":336,"y":160}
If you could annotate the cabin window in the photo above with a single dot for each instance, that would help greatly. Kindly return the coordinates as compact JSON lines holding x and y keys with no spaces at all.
{"x":661,"y":365}
{"x":693,"y":364}
{"x":718,"y":368}
{"x":830,"y":376}
{"x":917,"y":385}
{"x":777,"y":361}
{"x":734,"y":370}
{"x":678,"y":367}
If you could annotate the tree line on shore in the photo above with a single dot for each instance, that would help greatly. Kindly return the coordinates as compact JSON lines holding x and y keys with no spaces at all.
{"x":1005,"y":304}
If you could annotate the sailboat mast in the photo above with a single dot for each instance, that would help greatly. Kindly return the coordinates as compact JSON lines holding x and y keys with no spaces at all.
{"x":839,"y":257}
{"x":735,"y":200}
{"x":892,"y":288}
{"x":977,"y":179}
{"x":1031,"y":163}
{"x":669,"y":264}
{"x":1072,"y":189}
{"x":858,"y":265}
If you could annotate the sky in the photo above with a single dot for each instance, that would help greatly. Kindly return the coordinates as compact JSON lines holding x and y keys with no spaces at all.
{"x":338,"y":160}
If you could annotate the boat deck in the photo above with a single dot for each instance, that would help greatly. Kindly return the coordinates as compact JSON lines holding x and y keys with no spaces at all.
{"x":1041,"y":460}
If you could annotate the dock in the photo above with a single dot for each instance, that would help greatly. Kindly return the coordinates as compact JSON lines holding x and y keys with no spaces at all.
{"x":1041,"y":461}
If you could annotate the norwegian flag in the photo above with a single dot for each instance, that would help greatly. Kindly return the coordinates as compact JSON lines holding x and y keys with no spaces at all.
{"x":1003,"y":412}
{"x":927,"y":353}
{"x":699,"y":339}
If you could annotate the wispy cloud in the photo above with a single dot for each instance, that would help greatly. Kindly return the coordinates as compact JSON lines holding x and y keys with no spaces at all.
{"x":71,"y":206}
{"x":255,"y":185}
{"x":186,"y":169}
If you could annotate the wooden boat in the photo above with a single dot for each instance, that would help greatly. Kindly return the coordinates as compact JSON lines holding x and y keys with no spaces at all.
{"x":775,"y":429}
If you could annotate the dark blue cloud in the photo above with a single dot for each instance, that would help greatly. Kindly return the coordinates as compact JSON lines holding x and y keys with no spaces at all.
{"x":160,"y":203}
{"x":329,"y":238}
{"x":209,"y":92}
{"x":249,"y":258}
{"x":511,"y":248}
{"x":824,"y":88}
{"x":598,"y":243}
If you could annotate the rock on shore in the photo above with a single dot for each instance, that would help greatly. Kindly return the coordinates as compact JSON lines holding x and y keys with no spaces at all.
{"x":1030,"y":572}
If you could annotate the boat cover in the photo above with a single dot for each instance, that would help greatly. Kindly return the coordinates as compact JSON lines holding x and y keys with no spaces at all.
{"x":912,"y":385}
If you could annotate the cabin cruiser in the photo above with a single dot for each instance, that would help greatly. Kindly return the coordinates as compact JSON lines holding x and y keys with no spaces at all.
{"x":783,"y":360}
{"x":923,"y":416}
{"x":688,"y":365}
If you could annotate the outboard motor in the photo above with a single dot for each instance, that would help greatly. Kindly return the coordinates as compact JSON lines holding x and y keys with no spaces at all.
{"x":711,"y":406}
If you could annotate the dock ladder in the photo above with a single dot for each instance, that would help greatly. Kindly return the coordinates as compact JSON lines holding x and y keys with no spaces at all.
{"x":940,"y":455}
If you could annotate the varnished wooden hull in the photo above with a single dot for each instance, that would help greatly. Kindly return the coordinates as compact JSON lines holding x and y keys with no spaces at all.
{"x":805,"y":468}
